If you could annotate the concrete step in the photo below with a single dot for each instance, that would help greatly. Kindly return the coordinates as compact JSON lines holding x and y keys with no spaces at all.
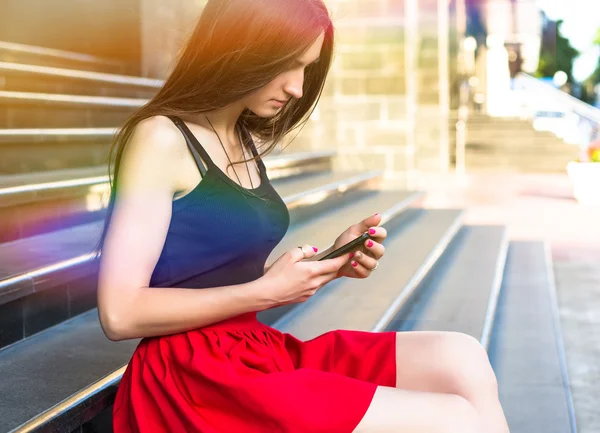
{"x":31,"y":54}
{"x":480,"y":132}
{"x":453,"y":297}
{"x":23,"y":77}
{"x":35,"y":150}
{"x":50,"y":110}
{"x":515,"y":164}
{"x":526,"y":348}
{"x":533,"y":150}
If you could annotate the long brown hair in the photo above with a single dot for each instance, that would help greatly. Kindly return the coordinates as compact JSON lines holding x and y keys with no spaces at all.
{"x":237,"y":47}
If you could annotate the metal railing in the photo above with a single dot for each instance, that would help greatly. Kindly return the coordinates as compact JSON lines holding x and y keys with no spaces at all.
{"x":551,"y":109}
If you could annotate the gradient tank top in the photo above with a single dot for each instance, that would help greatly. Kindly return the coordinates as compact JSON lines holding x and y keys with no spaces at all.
{"x":220,"y":233}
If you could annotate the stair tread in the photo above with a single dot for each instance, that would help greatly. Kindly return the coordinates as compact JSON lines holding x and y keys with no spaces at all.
{"x":71,"y":74}
{"x":34,"y":372}
{"x":288,"y":187}
{"x":461,"y":292}
{"x":526,"y":345}
{"x":98,"y":102}
{"x":25,"y":255}
{"x":418,"y":237}
{"x":78,"y":350}
{"x":15,"y":180}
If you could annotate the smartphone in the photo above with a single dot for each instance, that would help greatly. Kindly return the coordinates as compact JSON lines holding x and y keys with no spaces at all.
{"x":348,"y":247}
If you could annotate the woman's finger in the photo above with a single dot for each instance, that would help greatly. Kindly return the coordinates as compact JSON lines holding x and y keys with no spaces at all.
{"x":304,"y":252}
{"x":364,"y":260}
{"x":374,"y":249}
{"x":378,"y":232}
{"x":359,"y":269}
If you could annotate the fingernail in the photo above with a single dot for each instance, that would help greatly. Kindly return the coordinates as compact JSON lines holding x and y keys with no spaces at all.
{"x":377,"y":214}
{"x":370,"y":243}
{"x":351,"y":255}
{"x":354,"y":264}
{"x":315,"y":249}
{"x":372,"y":231}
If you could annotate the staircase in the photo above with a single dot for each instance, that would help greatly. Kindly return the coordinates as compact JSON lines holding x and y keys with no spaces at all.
{"x":60,"y":373}
{"x":513,"y":145}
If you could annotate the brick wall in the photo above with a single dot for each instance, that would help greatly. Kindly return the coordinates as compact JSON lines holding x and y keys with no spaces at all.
{"x":165,"y":26}
{"x":366,"y":112}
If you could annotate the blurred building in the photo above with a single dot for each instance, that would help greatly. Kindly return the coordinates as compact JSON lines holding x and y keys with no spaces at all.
{"x":394,"y":90}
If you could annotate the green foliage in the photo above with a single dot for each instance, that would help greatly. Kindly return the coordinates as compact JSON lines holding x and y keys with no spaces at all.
{"x":559,"y":59}
{"x":597,"y":38}
{"x":595,"y":77}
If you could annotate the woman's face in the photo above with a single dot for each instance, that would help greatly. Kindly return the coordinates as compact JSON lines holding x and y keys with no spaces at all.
{"x":267,"y":101}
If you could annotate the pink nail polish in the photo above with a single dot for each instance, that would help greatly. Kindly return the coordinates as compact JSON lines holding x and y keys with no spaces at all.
{"x":351,"y":255}
{"x":372,"y":231}
{"x":354,"y":264}
{"x":370,"y":243}
{"x":315,"y":249}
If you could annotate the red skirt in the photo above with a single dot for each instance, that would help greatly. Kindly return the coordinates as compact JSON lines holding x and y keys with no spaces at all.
{"x":242,"y":376}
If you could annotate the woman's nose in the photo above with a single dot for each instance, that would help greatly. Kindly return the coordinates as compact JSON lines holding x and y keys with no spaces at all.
{"x":293,"y":87}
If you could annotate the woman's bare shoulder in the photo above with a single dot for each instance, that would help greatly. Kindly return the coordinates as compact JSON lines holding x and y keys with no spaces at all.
{"x":158,"y":133}
{"x":153,"y":153}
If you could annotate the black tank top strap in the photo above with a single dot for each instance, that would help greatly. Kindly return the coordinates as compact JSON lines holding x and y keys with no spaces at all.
{"x":261,"y":165}
{"x":194,"y":145}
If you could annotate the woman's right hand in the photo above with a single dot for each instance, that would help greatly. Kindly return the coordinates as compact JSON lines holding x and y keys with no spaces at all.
{"x":291,"y":279}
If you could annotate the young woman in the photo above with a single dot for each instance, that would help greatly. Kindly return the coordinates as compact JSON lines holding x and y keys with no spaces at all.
{"x":184,"y":250}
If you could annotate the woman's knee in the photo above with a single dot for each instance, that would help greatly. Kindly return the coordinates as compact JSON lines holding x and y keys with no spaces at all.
{"x":469,"y":365}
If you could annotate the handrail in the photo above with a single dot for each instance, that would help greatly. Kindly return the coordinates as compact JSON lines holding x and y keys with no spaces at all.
{"x":572,"y":102}
{"x":579,"y":122}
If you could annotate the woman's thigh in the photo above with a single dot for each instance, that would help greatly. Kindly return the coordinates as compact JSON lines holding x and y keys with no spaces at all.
{"x":446,"y":362}
{"x":398,"y":410}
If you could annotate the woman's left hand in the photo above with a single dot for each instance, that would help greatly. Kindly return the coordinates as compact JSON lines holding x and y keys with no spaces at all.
{"x":364,"y":258}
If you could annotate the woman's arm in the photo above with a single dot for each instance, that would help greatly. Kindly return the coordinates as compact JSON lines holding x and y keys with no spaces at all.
{"x":151,"y":311}
{"x":127,"y":307}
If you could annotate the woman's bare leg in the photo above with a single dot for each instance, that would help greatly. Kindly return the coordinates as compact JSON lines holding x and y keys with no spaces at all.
{"x":395,"y":410}
{"x":452,"y":363}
